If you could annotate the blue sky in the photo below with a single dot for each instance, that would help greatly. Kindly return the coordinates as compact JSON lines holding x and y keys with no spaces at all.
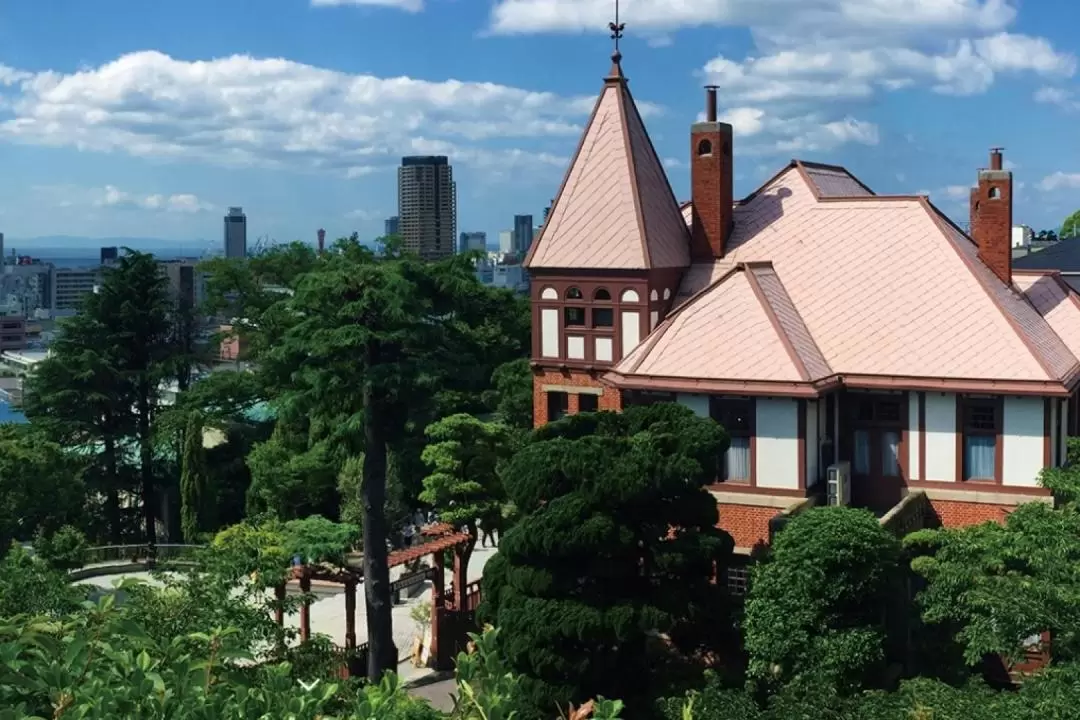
{"x":148,"y":119}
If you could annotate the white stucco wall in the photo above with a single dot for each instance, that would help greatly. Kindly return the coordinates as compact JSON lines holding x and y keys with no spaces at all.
{"x":1022,"y":455}
{"x":631,"y":331}
{"x":913,"y":436}
{"x":813,"y":443}
{"x":777,"y":457}
{"x":549,"y":332}
{"x":940,"y":437}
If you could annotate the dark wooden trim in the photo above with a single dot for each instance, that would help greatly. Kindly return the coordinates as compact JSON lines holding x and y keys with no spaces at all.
{"x":1048,"y":435}
{"x":999,"y":443}
{"x":753,"y":442}
{"x":904,"y":461}
{"x":922,"y":435}
{"x":800,"y":408}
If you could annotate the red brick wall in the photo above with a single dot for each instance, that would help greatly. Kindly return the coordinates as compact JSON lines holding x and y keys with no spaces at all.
{"x":711,"y":188}
{"x":991,"y":221}
{"x":961,"y":514}
{"x":611,"y":399}
{"x":748,"y":524}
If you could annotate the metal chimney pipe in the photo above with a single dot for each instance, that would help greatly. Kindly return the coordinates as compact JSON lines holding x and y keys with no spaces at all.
{"x":710,"y":103}
{"x":995,"y":158}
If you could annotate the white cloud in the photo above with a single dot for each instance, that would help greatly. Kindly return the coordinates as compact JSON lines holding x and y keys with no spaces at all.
{"x":364,"y":215}
{"x":777,"y":16}
{"x":1060,"y":181}
{"x":804,"y":133}
{"x":241,"y":110}
{"x":407,"y":5}
{"x":1057,"y":96}
{"x":112,"y":196}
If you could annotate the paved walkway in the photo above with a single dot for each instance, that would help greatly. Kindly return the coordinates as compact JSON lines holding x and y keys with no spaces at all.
{"x":328,"y":618}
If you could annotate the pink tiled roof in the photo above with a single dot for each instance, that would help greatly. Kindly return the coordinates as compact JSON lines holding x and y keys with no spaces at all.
{"x":883,"y":286}
{"x":615,"y":209}
{"x":728,"y":327}
{"x":1055,"y":301}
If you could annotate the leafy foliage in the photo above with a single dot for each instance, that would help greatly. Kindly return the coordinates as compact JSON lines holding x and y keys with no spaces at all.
{"x":602,"y":497}
{"x":511,"y":394}
{"x":815,"y":613}
{"x":41,"y":486}
{"x":63,"y":550}
{"x":465,"y":456}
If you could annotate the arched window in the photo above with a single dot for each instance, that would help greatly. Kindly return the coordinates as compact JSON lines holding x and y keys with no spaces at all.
{"x":630,"y":296}
{"x":704,"y":147}
{"x":654,"y":296}
{"x":667,"y":293}
{"x":601,"y":294}
{"x":994,"y":193}
{"x":549,"y":293}
{"x":573,"y":294}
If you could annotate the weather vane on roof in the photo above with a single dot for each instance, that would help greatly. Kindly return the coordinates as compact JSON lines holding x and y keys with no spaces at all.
{"x":616,"y":31}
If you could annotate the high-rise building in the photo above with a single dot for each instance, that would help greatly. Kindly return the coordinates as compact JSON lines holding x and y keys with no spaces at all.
{"x":391,"y":226}
{"x":109,"y":255}
{"x":472,"y":241}
{"x":236,"y":233}
{"x":427,"y":206}
{"x":1,"y":248}
{"x":523,"y":234}
{"x":70,"y":285}
{"x":506,"y":242}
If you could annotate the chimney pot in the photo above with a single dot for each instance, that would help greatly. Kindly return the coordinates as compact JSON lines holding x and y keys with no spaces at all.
{"x":710,"y":103}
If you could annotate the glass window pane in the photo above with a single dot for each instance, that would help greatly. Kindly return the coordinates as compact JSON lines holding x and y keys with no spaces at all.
{"x":890,"y":454}
{"x":574,"y":316}
{"x":603,"y":317}
{"x":737,"y":459}
{"x":979,"y":453}
{"x":862,"y":453}
{"x":588,"y":403}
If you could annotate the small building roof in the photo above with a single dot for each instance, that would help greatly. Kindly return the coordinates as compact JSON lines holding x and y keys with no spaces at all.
{"x":1063,"y":256}
{"x":615,"y":209}
{"x":863,"y":288}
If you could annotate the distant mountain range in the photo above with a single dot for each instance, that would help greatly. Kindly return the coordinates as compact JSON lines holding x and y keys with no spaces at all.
{"x":47,"y":244}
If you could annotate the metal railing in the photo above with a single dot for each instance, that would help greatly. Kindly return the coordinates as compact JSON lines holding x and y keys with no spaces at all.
{"x":141,"y":552}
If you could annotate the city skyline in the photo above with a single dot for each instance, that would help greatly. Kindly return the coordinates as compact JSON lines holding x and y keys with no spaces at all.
{"x":873,"y":101}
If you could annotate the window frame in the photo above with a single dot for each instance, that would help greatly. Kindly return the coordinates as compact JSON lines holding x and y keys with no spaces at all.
{"x":720,"y":409}
{"x":550,"y":395}
{"x":876,"y":424}
{"x":964,"y":404}
{"x":595,"y":398}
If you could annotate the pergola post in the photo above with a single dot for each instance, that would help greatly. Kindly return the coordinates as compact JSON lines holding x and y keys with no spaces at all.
{"x":279,"y":608}
{"x":438,"y":598}
{"x":350,"y":614}
{"x":460,"y":578}
{"x":305,"y":607}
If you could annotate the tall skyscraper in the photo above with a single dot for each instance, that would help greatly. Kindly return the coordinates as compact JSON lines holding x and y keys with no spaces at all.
{"x":236,"y":233}
{"x":472,"y":241}
{"x":506,"y":241}
{"x":391,"y":226}
{"x":427,"y":206}
{"x":523,"y":235}
{"x":109,"y":255}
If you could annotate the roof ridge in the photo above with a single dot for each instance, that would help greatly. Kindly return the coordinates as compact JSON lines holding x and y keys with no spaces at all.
{"x":937,"y":217}
{"x":635,"y":189}
{"x":785,"y":336}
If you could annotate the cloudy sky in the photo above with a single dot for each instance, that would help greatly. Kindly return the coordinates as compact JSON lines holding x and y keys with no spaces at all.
{"x":149,"y":117}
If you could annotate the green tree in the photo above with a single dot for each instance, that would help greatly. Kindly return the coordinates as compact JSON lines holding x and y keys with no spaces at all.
{"x":511,"y":396}
{"x":465,"y":456}
{"x":41,"y":485}
{"x":193,"y":479}
{"x":815,"y":611}
{"x":995,"y":585}
{"x":1070,"y":228}
{"x":617,"y":539}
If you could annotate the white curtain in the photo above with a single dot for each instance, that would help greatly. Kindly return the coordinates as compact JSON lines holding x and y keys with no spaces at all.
{"x":862,"y":453}
{"x":890,"y":453}
{"x":979,"y":452}
{"x":737,"y":460}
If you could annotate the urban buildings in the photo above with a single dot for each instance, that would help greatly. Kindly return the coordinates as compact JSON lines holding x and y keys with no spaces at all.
{"x":427,"y":206}
{"x":523,"y":235}
{"x":12,"y":332}
{"x":391,"y":226}
{"x":806,"y":319}
{"x":70,"y":284}
{"x":506,"y":242}
{"x":186,"y":283}
{"x":471,"y":241}
{"x":109,"y":255}
{"x":236,"y":233}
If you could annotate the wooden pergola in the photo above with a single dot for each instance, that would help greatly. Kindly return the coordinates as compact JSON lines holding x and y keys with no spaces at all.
{"x":436,"y":540}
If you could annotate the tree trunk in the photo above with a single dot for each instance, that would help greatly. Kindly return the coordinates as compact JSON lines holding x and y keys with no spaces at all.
{"x":146,"y":463}
{"x":112,"y":492}
{"x":382,"y":655}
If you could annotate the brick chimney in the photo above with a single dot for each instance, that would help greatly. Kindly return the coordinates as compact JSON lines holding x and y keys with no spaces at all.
{"x":711,"y":183}
{"x":992,"y":217}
